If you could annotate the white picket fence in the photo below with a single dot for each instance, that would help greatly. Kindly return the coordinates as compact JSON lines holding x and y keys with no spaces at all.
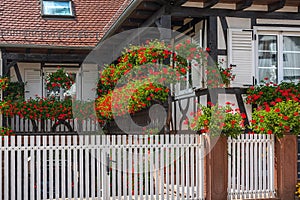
{"x":102,"y":167}
{"x":251,"y":167}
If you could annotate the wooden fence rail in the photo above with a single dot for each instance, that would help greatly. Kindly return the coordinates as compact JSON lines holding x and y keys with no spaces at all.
{"x":251,"y":167}
{"x":102,"y":167}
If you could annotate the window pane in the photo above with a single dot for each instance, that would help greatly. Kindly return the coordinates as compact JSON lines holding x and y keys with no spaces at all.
{"x":291,"y":75}
{"x":57,"y":8}
{"x":267,"y":57}
{"x":291,"y":58}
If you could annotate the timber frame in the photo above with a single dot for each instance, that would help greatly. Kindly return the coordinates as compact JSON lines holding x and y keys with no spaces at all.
{"x":181,"y":15}
{"x":11,"y":57}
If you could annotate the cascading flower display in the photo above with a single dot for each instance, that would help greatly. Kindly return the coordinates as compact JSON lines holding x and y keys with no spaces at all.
{"x":140,"y":77}
{"x":147,"y":56}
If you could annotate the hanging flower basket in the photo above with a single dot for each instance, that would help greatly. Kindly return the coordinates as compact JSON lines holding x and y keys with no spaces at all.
{"x":139,"y":78}
{"x":59,"y":79}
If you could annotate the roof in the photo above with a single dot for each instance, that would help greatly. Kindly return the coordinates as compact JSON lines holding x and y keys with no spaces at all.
{"x":21,"y":23}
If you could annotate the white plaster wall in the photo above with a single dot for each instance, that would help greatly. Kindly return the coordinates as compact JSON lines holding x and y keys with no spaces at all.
{"x":235,"y":22}
{"x":221,"y":37}
{"x":278,"y":21}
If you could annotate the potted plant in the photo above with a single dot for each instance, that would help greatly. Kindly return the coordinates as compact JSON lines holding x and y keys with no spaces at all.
{"x":219,"y":77}
{"x":277,"y":113}
{"x":282,"y":118}
{"x":214,"y":119}
{"x":269,"y":93}
{"x":59,"y":81}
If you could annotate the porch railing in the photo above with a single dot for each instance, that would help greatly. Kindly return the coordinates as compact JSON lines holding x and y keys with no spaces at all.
{"x":183,"y":106}
{"x":27,"y":126}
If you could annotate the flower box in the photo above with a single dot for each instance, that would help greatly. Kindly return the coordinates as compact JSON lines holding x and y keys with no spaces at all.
{"x":138,"y":123}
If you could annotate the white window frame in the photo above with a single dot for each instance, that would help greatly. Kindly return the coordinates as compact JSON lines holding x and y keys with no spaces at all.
{"x":280,"y":32}
{"x":57,"y":15}
{"x":189,"y":87}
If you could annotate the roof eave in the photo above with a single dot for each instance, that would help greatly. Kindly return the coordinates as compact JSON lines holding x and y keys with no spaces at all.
{"x":130,"y":8}
{"x":5,"y":45}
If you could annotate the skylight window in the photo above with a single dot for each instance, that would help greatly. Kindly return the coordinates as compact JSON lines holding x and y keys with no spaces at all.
{"x":57,"y":8}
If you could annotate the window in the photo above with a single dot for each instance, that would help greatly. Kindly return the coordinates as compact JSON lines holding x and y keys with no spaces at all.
{"x":278,"y":57}
{"x":57,"y":8}
{"x":194,"y":75}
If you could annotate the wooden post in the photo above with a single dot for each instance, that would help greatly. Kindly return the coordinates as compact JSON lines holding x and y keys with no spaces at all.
{"x":212,"y":38}
{"x":217,"y":171}
{"x":286,"y":166}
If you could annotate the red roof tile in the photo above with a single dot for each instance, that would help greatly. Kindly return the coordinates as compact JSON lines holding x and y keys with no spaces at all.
{"x":21,"y":23}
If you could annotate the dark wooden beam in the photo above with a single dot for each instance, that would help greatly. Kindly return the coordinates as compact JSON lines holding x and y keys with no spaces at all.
{"x":180,"y":2}
{"x":212,"y":38}
{"x":276,"y":5}
{"x":7,"y":66}
{"x":189,"y":25}
{"x":253,"y":22}
{"x":167,"y":2}
{"x":203,"y":12}
{"x":128,"y":27}
{"x":143,"y":12}
{"x":135,"y":20}
{"x":151,"y":20}
{"x":151,"y":5}
{"x":178,"y":23}
{"x":63,"y":58}
{"x":17,"y":70}
{"x":241,"y":5}
{"x":166,"y":32}
{"x":210,"y":3}
{"x":189,"y":33}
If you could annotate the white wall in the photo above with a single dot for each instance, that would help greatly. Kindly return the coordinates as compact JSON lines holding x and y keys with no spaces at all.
{"x":278,"y":22}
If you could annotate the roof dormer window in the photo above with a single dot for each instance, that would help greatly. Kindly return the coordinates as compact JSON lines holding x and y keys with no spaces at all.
{"x":57,"y":8}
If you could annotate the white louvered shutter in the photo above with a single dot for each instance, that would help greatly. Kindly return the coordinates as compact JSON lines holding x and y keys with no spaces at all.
{"x":240,"y":53}
{"x":33,"y":84}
